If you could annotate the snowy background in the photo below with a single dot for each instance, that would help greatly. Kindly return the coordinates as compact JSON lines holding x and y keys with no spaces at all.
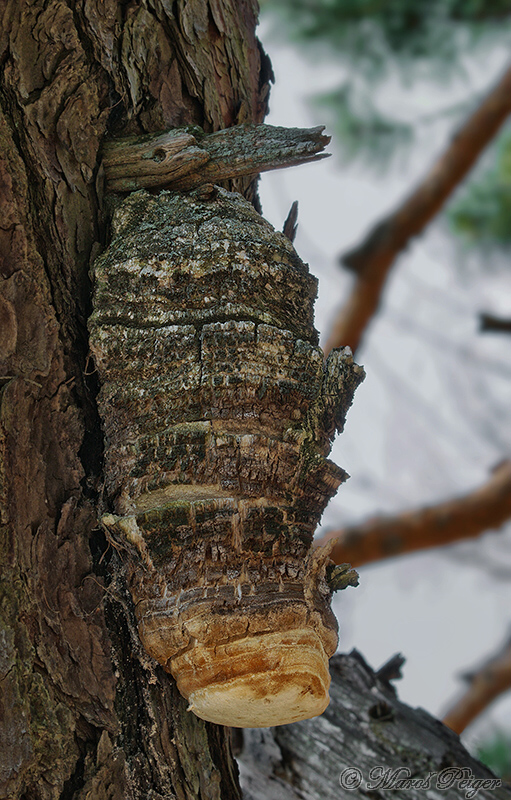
{"x":434,"y":413}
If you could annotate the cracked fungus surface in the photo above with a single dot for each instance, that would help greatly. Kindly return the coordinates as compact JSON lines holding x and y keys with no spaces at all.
{"x":219,"y":412}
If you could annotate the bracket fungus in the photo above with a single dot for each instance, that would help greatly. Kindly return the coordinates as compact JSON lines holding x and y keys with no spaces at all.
{"x":218,"y":412}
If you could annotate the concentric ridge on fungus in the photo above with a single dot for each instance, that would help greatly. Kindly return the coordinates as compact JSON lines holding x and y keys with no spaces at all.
{"x":218,"y":414}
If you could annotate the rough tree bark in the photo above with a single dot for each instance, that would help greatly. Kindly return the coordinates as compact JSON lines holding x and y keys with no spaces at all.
{"x":84,"y":712}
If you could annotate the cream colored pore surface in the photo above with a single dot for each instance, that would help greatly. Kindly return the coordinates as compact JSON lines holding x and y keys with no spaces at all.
{"x":257,"y":682}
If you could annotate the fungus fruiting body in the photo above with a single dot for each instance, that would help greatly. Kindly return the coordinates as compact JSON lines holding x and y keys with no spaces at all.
{"x":218,"y":412}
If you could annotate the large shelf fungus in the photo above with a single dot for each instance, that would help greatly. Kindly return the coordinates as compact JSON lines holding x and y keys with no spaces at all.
{"x":218,"y":413}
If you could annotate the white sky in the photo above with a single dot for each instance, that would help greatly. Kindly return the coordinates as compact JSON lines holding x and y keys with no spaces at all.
{"x":434,"y":414}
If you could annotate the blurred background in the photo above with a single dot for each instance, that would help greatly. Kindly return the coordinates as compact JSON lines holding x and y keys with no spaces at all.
{"x":394,"y":81}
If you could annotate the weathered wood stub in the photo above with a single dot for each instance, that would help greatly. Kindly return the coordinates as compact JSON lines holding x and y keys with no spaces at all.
{"x":182,"y":159}
{"x":218,"y":413}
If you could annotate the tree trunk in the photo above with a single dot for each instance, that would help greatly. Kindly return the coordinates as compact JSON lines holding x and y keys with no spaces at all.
{"x":83,"y":712}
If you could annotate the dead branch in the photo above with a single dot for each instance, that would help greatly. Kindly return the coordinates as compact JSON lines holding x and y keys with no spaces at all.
{"x":492,"y":324}
{"x":371,"y":261}
{"x":185,"y":158}
{"x":464,"y":517}
{"x":291,"y":223}
{"x":364,"y":726}
{"x":391,"y":670}
{"x":492,"y":679}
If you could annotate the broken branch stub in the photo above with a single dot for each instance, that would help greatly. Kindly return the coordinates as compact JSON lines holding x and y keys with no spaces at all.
{"x":218,"y":413}
{"x":184,"y":158}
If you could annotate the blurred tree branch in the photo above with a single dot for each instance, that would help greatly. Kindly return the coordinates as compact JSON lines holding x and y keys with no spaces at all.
{"x":493,"y":324}
{"x":372,"y":260}
{"x":464,"y":517}
{"x":492,"y":679}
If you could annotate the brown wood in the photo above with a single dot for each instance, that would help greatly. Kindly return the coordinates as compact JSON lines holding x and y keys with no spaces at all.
{"x":180,"y":160}
{"x":486,"y":508}
{"x":372,"y":260}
